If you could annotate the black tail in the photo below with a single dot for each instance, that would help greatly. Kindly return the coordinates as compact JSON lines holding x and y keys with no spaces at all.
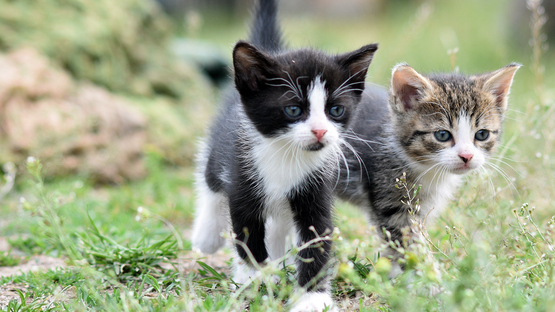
{"x":265,"y":31}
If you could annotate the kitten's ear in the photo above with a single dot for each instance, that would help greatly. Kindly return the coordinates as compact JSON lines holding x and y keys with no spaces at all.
{"x":252,"y":67}
{"x":408,"y":87}
{"x":357,"y":62}
{"x":499,"y":83}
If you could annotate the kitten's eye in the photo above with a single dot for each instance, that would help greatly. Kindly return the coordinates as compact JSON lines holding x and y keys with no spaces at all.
{"x":337,"y":111}
{"x":442,"y":135}
{"x":482,"y":135}
{"x":293,"y":111}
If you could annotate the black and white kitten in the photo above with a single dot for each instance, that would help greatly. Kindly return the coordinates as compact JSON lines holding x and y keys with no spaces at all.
{"x":271,"y":159}
{"x":434,"y":128}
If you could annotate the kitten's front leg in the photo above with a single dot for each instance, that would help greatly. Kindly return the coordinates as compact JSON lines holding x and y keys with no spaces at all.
{"x":390,"y":223}
{"x":406,"y":229}
{"x":246,"y":212}
{"x":312,"y":216}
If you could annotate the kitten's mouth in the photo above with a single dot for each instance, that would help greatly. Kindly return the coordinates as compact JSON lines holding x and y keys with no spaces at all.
{"x":314,"y":147}
{"x":462,"y":169}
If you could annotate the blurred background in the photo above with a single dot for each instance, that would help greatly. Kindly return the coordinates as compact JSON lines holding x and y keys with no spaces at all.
{"x":97,"y":89}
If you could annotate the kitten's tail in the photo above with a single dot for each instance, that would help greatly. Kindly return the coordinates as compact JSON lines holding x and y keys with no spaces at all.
{"x":265,"y":32}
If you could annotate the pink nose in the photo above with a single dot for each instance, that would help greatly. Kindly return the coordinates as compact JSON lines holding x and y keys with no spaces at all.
{"x":319,"y":133}
{"x":466,"y":157}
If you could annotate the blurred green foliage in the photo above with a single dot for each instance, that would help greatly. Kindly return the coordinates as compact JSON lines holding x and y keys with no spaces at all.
{"x":121,"y":45}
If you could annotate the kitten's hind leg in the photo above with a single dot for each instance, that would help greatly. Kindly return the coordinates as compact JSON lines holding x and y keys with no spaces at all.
{"x":211,"y":221}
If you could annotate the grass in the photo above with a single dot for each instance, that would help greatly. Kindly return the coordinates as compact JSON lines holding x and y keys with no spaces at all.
{"x":127,"y":246}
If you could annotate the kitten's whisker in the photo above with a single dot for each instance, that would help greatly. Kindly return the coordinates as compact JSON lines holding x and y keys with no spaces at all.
{"x":511,"y":118}
{"x":354,"y":136}
{"x":502,"y":172}
{"x":358,"y":158}
{"x":515,"y":111}
{"x":288,"y":84}
{"x":295,"y":86}
{"x":274,"y":141}
{"x":442,"y":171}
{"x":339,"y":153}
{"x":504,"y":175}
{"x":289,"y":150}
{"x":488,"y":175}
{"x":289,"y":91}
{"x":500,"y":160}
{"x":426,"y":171}
{"x":298,"y":85}
{"x":490,"y":180}
{"x":347,"y":90}
{"x":367,"y":142}
{"x":438,"y":174}
{"x":343,"y":85}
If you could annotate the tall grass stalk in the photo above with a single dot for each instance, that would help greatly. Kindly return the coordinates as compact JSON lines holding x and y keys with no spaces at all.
{"x":46,"y":209}
{"x":538,"y":41}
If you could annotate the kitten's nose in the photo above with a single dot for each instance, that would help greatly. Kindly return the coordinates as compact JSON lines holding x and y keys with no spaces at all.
{"x":319,"y":133}
{"x":466,"y":157}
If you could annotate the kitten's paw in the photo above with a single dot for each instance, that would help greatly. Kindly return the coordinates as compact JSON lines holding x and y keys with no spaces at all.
{"x":314,"y":302}
{"x":207,"y":242}
{"x":396,"y":270}
{"x":243,"y":272}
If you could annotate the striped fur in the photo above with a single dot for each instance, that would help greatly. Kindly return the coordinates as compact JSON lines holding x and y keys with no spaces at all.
{"x":433,"y":128}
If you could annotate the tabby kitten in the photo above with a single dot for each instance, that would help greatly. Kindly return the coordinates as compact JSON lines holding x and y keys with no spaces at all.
{"x":434,"y":128}
{"x":270,"y":160}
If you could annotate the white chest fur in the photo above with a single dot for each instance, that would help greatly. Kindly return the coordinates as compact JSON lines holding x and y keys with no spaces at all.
{"x":437,"y":189}
{"x":283,"y":166}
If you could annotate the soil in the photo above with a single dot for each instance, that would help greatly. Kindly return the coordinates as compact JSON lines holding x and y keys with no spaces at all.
{"x":8,"y":291}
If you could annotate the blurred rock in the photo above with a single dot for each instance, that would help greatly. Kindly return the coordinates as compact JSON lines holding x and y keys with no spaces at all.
{"x":71,"y":127}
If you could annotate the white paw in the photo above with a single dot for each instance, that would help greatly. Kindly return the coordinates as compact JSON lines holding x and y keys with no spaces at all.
{"x":396,"y":270}
{"x":314,"y":302}
{"x":207,"y":242}
{"x":243,"y":272}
